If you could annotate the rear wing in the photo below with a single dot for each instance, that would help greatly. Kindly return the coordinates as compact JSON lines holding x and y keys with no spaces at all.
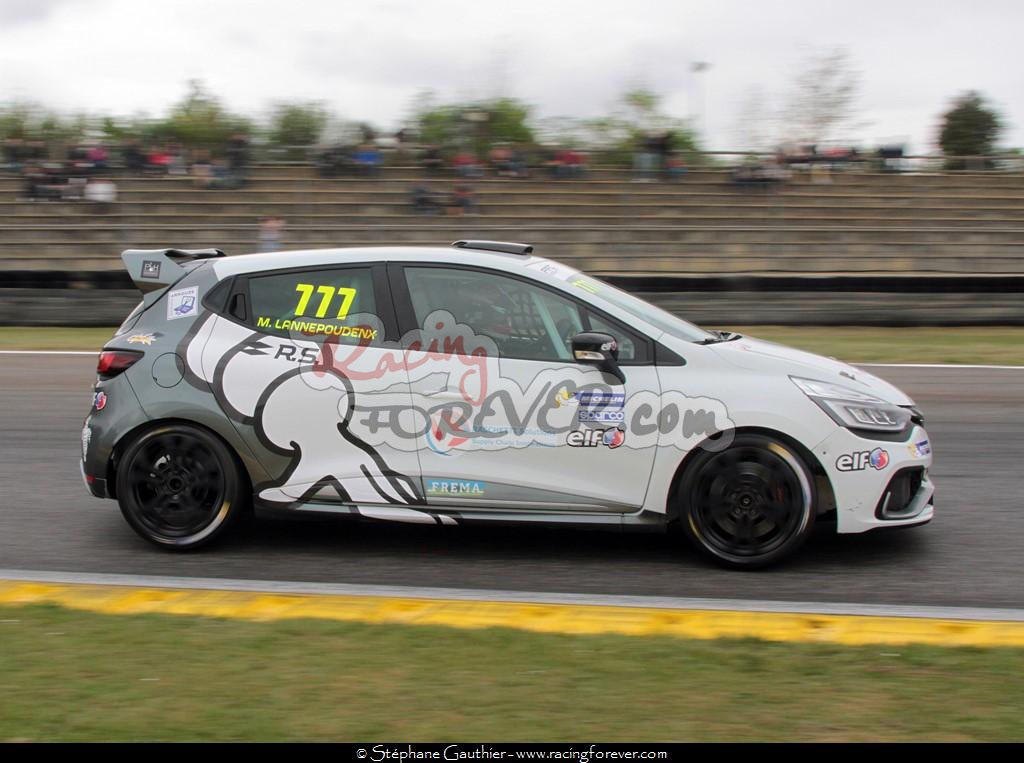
{"x":155,"y":269}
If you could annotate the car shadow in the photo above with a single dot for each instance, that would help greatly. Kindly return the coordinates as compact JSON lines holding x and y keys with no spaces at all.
{"x":513,"y":544}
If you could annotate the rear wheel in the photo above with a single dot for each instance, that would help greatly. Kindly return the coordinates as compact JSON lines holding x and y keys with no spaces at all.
{"x":749,"y":505}
{"x":179,"y":487}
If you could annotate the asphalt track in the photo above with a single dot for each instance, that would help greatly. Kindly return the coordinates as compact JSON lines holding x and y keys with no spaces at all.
{"x":970,"y":556}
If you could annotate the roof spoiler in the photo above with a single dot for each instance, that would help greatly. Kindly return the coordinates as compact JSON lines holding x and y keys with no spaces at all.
{"x":154,"y":269}
{"x":508,"y":247}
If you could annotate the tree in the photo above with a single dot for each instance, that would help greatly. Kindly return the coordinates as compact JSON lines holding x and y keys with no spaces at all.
{"x":969,"y":128}
{"x":297,"y":124}
{"x":199,"y":120}
{"x":477,"y":124}
{"x":822,"y":102}
{"x":24,"y":120}
{"x":637,"y":113}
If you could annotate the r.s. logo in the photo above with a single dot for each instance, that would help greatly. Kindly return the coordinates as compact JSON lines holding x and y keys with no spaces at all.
{"x":299,"y":407}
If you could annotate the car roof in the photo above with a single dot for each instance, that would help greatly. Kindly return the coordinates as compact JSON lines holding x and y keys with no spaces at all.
{"x":226,"y":267}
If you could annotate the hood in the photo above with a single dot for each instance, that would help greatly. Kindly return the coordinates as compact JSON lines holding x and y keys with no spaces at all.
{"x":758,"y":355}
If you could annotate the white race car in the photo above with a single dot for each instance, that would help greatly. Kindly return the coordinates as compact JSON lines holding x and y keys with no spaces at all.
{"x":479,"y":383}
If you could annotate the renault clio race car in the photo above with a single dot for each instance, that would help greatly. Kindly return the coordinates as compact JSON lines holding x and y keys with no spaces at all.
{"x":478,"y":383}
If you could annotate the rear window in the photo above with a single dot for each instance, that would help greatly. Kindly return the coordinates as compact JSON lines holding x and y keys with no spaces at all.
{"x":131,"y":320}
{"x":337,"y":302}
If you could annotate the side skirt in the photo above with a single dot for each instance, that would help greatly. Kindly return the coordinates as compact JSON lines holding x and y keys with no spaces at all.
{"x":640,"y":520}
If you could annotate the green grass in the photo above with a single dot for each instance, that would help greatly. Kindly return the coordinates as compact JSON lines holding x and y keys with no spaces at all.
{"x":1000,"y":345}
{"x":76,"y":676}
{"x":997,"y":345}
{"x":53,"y":338}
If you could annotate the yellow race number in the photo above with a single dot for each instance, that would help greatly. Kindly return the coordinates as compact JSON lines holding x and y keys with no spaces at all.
{"x":327,"y":294}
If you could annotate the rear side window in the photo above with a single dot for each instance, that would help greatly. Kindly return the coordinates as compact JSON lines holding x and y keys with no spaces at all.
{"x":336,"y":302}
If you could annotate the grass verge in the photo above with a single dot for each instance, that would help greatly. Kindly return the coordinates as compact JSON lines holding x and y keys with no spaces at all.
{"x":998,"y":345}
{"x":78,"y":676}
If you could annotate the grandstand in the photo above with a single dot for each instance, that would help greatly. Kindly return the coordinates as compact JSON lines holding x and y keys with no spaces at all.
{"x":698,"y":225}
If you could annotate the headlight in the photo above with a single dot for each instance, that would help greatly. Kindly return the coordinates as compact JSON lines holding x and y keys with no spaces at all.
{"x":853,"y":409}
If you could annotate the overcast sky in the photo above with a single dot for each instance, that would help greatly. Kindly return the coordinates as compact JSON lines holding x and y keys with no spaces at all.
{"x":368,"y":59}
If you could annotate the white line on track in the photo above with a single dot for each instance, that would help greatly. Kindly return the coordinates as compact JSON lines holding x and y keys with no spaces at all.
{"x":49,"y":352}
{"x":937,"y":365}
{"x":527,"y":597}
{"x":865,"y":365}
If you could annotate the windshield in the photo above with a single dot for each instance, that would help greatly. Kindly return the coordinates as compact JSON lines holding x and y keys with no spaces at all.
{"x":661,"y":319}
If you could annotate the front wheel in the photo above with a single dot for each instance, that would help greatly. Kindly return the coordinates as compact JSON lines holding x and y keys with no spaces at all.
{"x":179,"y":487}
{"x":749,"y":505}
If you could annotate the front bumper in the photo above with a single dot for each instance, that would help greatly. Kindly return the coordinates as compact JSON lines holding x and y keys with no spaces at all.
{"x":878,"y":483}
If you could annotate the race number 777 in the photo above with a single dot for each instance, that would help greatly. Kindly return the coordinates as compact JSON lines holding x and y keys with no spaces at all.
{"x":327,"y":296}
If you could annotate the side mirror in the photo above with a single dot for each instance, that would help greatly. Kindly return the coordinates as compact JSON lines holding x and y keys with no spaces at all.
{"x":593,"y":348}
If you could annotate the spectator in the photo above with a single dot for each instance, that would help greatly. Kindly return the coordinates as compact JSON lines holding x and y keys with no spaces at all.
{"x":466,"y":164}
{"x":431,"y":160}
{"x":224,"y":178}
{"x":35,"y":183}
{"x":178,"y":164}
{"x":760,"y":176}
{"x":675,"y":166}
{"x":663,"y":146}
{"x":14,"y":154}
{"x":367,"y":159}
{"x":333,"y":161}
{"x":461,"y":202}
{"x":133,"y":157}
{"x":271,"y":228}
{"x":507,"y":162}
{"x":424,"y":201}
{"x":645,"y":158}
{"x":158,"y":160}
{"x":101,"y":193}
{"x":238,"y":154}
{"x":98,"y":157}
{"x":202,"y":171}
{"x":571,"y":163}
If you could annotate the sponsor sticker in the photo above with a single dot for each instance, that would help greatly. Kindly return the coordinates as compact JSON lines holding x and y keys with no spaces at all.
{"x":920,"y":449}
{"x":458,"y":488}
{"x":86,"y":439}
{"x":182,"y":303}
{"x":587,"y":415}
{"x":151,"y":268}
{"x":146,"y":339}
{"x":591,"y":438}
{"x":877,"y":459}
{"x":99,"y":400}
{"x":601,"y":399}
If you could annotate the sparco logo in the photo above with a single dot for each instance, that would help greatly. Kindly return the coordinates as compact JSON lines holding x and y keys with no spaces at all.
{"x":855,"y":462}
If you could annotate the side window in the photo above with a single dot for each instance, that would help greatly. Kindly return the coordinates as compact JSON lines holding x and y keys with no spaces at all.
{"x":327,"y":302}
{"x":525,"y":321}
{"x":627,"y":345}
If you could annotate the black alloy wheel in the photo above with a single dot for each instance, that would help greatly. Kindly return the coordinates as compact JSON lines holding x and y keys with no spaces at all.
{"x":179,"y":486}
{"x":748,"y":505}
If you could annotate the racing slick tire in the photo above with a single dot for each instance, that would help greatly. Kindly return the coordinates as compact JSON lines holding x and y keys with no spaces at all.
{"x":749,"y":505}
{"x":180,"y":487}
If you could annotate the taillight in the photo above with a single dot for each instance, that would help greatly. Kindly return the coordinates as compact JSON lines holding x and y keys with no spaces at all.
{"x":114,"y":362}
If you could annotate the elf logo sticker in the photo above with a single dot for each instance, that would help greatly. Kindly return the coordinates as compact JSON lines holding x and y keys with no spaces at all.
{"x":591,"y":438}
{"x":856,"y":462}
